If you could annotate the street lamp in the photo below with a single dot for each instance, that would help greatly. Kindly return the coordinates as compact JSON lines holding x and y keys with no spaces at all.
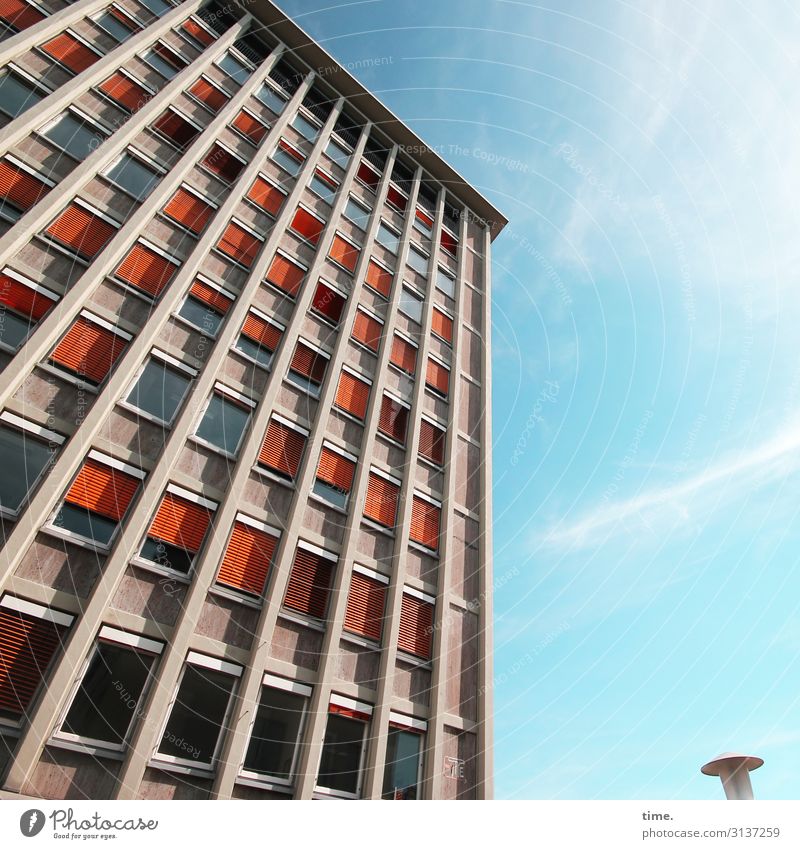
{"x":734,"y":773}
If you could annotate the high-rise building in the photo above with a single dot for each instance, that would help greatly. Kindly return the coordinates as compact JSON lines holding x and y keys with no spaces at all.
{"x":244,"y":419}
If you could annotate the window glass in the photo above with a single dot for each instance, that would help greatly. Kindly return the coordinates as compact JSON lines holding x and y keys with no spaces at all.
{"x":13,"y":329}
{"x":287,"y":161}
{"x":169,"y":556}
{"x":159,"y":390}
{"x":445,"y":283}
{"x":223,"y":424}
{"x":157,"y":7}
{"x":388,"y":238}
{"x":410,"y":305}
{"x":337,"y":154}
{"x":341,"y":754}
{"x":358,"y":214}
{"x":332,"y":494}
{"x":271,"y":99}
{"x":403,"y":750}
{"x":132,"y":175}
{"x":200,"y":315}
{"x":323,"y":188}
{"x":74,"y":135}
{"x":17,"y":95}
{"x":23,"y":460}
{"x":113,"y":26}
{"x":418,"y":261}
{"x":303,"y":126}
{"x":276,"y":733}
{"x":262,"y":355}
{"x":91,"y":526}
{"x":158,"y":63}
{"x":235,"y":69}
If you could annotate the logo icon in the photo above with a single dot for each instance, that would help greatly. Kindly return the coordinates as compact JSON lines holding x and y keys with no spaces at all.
{"x":31,"y":822}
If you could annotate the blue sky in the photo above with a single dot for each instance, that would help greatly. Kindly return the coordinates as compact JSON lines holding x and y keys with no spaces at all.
{"x":647,"y":384}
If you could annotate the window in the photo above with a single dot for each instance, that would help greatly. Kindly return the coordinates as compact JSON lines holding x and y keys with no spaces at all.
{"x":176,"y":128}
{"x":328,"y":302}
{"x":225,"y":419}
{"x":133,"y":176}
{"x":367,"y":330}
{"x":383,"y":492}
{"x":260,"y":338}
{"x":271,"y":99}
{"x":20,"y":188}
{"x":357,"y":213}
{"x":30,"y":635}
{"x":197,"y":715}
{"x":416,"y":623}
{"x":310,"y":581}
{"x":431,"y":442}
{"x":90,"y":348}
{"x":393,"y":420}
{"x":98,"y":498}
{"x":163,"y":59}
{"x":189,"y":210}
{"x":222,"y":162}
{"x":70,"y":52}
{"x":445,"y":283}
{"x":125,"y":92}
{"x":324,"y":186}
{"x":82,"y":229}
{"x":437,"y":377}
{"x":74,"y":134}
{"x":157,"y":7}
{"x":234,"y":68}
{"x":388,"y":238}
{"x":404,"y":355}
{"x":425,"y":514}
{"x":18,"y":94}
{"x":209,"y":94}
{"x":343,"y":747}
{"x":448,"y":242}
{"x":26,"y":450}
{"x":20,"y":15}
{"x":282,"y":449}
{"x":103,"y":709}
{"x":442,"y":325}
{"x":379,"y":278}
{"x":248,"y":556}
{"x":423,"y":222}
{"x":250,"y":127}
{"x":403,"y":761}
{"x":286,"y":274}
{"x":410,"y":304}
{"x":336,"y":153}
{"x":117,"y":26}
{"x":398,"y":199}
{"x":306,"y":225}
{"x":368,"y":175}
{"x":307,"y":368}
{"x":22,"y":304}
{"x":267,"y":196}
{"x":288,"y":158}
{"x":307,"y":128}
{"x":344,"y":253}
{"x":197,"y":34}
{"x":277,"y":729}
{"x":178,"y":529}
{"x":335,"y":475}
{"x":147,"y":269}
{"x":418,"y":261}
{"x":366,"y":602}
{"x":352,"y":394}
{"x":159,"y":390}
{"x":205,"y":307}
{"x":240,"y":244}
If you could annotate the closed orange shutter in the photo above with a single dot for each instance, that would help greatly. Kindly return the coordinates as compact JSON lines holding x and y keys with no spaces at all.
{"x":416,"y":626}
{"x":431,"y":442}
{"x":397,"y":198}
{"x":282,"y":448}
{"x":309,"y":584}
{"x":82,"y":230}
{"x":146,"y":270}
{"x":381,"y":504}
{"x":89,"y":350}
{"x":442,"y":325}
{"x":335,"y":469}
{"x":103,"y":490}
{"x":307,"y":226}
{"x":365,"y":606}
{"x":267,"y":196}
{"x":367,"y":175}
{"x":448,"y":242}
{"x":70,"y":52}
{"x":210,"y":296}
{"x":18,"y":187}
{"x":27,"y":645}
{"x":437,"y":377}
{"x":23,"y":299}
{"x":393,"y":420}
{"x":19,"y":14}
{"x":177,"y":129}
{"x":239,"y":244}
{"x":266,"y":334}
{"x":328,"y":302}
{"x":209,"y":94}
{"x":181,"y":523}
{"x":247,"y":559}
{"x":189,"y":210}
{"x":404,"y":355}
{"x":367,"y":330}
{"x":425,"y":523}
{"x":250,"y":127}
{"x":286,"y":275}
{"x":352,"y":395}
{"x":309,"y":363}
{"x":344,"y":253}
{"x":379,"y":278}
{"x":124,"y":91}
{"x":223,"y":163}
{"x":197,"y":32}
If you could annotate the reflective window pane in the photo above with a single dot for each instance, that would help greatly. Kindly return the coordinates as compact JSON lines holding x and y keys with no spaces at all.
{"x":74,"y":135}
{"x":223,"y":424}
{"x":159,"y":390}
{"x":133,"y":176}
{"x":276,"y":733}
{"x":200,"y":315}
{"x":403,"y":749}
{"x":235,"y":69}
{"x":23,"y":459}
{"x":16,"y":94}
{"x":341,"y":754}
{"x":271,"y":99}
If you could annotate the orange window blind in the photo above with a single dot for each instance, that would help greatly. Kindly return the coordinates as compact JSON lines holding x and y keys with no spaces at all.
{"x":425,"y":523}
{"x":124,"y":91}
{"x":431,"y":442}
{"x":381,"y":503}
{"x":367,"y":175}
{"x":282,"y":448}
{"x":267,"y":196}
{"x":404,"y":355}
{"x":180,"y":522}
{"x":247,"y":559}
{"x":27,"y":645}
{"x":189,"y":210}
{"x":208,"y":94}
{"x":442,"y":325}
{"x":103,"y":490}
{"x":285,"y":274}
{"x":176,"y":128}
{"x":263,"y":332}
{"x":365,"y":607}
{"x":210,"y":296}
{"x":393,"y":420}
{"x":416,"y":626}
{"x":424,"y":219}
{"x":250,"y":127}
{"x":18,"y":187}
{"x":307,"y":225}
{"x":344,"y":253}
{"x":223,"y":163}
{"x":309,"y":363}
{"x":199,"y":33}
{"x":379,"y":278}
{"x":89,"y":350}
{"x":146,"y":270}
{"x":448,"y":242}
{"x":437,"y":377}
{"x":23,"y":299}
{"x":367,"y":330}
{"x":239,"y":244}
{"x":397,"y":198}
{"x":335,"y":469}
{"x":82,"y":230}
{"x":352,"y":395}
{"x":328,"y":302}
{"x":19,"y":14}
{"x":295,"y":154}
{"x":309,"y":584}
{"x":70,"y":52}
{"x":350,"y":713}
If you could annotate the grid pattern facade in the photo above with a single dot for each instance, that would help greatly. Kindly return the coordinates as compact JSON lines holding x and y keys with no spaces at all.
{"x":243,"y":420}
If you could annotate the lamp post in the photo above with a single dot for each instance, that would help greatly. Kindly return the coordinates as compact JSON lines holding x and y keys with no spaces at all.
{"x":734,"y":773}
